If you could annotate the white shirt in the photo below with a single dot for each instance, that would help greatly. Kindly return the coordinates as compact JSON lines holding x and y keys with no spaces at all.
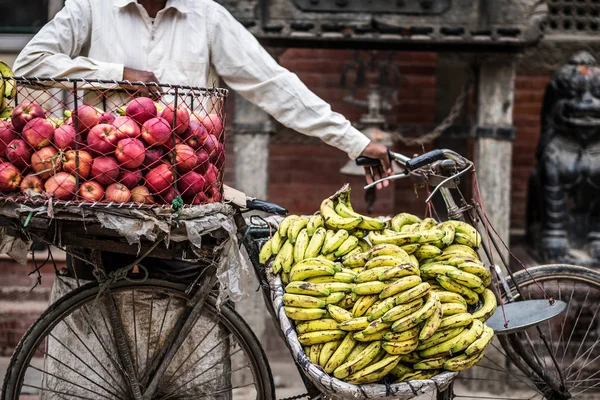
{"x":189,"y":41}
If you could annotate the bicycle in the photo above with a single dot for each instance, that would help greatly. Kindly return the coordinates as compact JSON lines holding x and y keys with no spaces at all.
{"x":127,"y":361}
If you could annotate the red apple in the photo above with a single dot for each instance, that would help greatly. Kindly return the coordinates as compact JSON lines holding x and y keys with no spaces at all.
{"x":153,"y":157}
{"x":7,"y":135}
{"x":117,"y":193}
{"x":215,"y":195}
{"x":203,"y":161}
{"x":160,"y":178}
{"x":195,"y":135}
{"x":64,"y":137}
{"x":102,"y":139}
{"x":69,"y":163}
{"x":105,"y":170}
{"x":38,"y":132}
{"x":141,"y":194}
{"x":126,"y":127}
{"x":141,"y":109}
{"x":199,"y":199}
{"x":61,"y":186}
{"x":46,"y":160}
{"x":191,"y":183}
{"x":31,"y":183}
{"x":87,"y":116}
{"x":19,"y":153}
{"x":25,"y":112}
{"x":130,"y":178}
{"x":213,"y":124}
{"x":106,"y":118}
{"x":219,"y":155}
{"x":130,"y":152}
{"x":185,"y":158}
{"x":183,"y":117}
{"x":211,"y":147}
{"x":168,"y":196}
{"x":10,"y":177}
{"x":156,"y":131}
{"x":91,"y":191}
{"x":211,"y":176}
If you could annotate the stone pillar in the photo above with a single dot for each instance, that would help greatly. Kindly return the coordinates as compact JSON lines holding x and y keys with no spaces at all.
{"x":493,"y":147}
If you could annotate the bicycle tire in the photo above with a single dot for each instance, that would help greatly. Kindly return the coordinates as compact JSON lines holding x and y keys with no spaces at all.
{"x":79,"y":297}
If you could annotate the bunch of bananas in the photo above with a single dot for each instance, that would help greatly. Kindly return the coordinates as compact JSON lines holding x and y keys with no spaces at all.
{"x":8,"y":90}
{"x":373,"y":299}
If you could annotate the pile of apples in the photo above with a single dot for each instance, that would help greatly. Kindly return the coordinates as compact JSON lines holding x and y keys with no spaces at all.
{"x":119,"y":158}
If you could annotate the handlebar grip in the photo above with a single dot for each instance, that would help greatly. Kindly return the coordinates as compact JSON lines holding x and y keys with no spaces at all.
{"x":371,"y":162}
{"x":424,"y":159}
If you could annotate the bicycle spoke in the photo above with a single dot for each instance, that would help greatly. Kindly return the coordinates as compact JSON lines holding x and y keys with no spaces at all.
{"x":584,"y":339}
{"x":57,"y":392}
{"x":588,"y":352}
{"x":562,"y":329}
{"x":574,"y":325}
{"x":591,"y":362}
{"x":67,"y":381}
{"x":149,"y":332}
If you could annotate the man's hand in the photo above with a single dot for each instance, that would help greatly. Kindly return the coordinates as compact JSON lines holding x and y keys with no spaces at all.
{"x":136,"y":75}
{"x":379,"y":151}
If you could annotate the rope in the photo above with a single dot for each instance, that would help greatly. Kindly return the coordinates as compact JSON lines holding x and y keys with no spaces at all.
{"x":177,"y":204}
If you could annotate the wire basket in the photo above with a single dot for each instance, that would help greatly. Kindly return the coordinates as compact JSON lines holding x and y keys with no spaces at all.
{"x":111,"y":142}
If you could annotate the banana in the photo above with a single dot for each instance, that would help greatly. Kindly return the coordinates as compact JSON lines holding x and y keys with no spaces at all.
{"x":317,"y":280}
{"x":468,"y":338}
{"x":379,"y":308}
{"x":311,"y":338}
{"x":347,"y":246}
{"x":338,"y":313}
{"x":430,"y":363}
{"x":443,"y":348}
{"x":360,"y":361}
{"x":315,"y":243}
{"x":459,"y":250}
{"x":402,"y":310}
{"x":411,"y":294}
{"x":344,"y":277}
{"x":440,"y":337}
{"x":418,"y":316}
{"x":315,"y":222}
{"x":402,"y":336}
{"x":489,"y":306}
{"x":315,"y":351}
{"x":363,"y":304}
{"x":301,"y":272}
{"x":367,"y":288}
{"x":413,"y":261}
{"x":10,"y":89}
{"x":285,"y":225}
{"x":334,"y":287}
{"x":354,"y":324}
{"x":400,"y":369}
{"x":285,"y":278}
{"x":333,"y":220}
{"x":304,"y":314}
{"x":335,"y":298}
{"x":432,"y":270}
{"x":386,"y":261}
{"x":461,"y":238}
{"x":325,"y":324}
{"x":399,"y":239}
{"x":455,"y":321}
{"x":347,"y":303}
{"x":387,"y":249}
{"x":361,"y":337}
{"x":356,"y":250}
{"x":468,"y":280}
{"x":367,"y":223}
{"x":418,"y":375}
{"x":410,"y":358}
{"x":301,"y":245}
{"x":410,"y":228}
{"x":451,"y":285}
{"x":467,"y":230}
{"x":363,"y":244}
{"x":359,"y":233}
{"x":302,"y":301}
{"x":449,"y":309}
{"x":327,"y":351}
{"x":294,"y":229}
{"x":431,"y":235}
{"x":450,"y":297}
{"x":403,"y":219}
{"x":284,"y":258}
{"x":335,"y":241}
{"x":306,"y":350}
{"x":427,"y":251}
{"x":340,"y":354}
{"x":399,"y":348}
{"x":265,"y":252}
{"x":276,"y":243}
{"x":374,"y":372}
{"x":449,"y":231}
{"x":411,"y":248}
{"x":457,"y":260}
{"x":371,"y":275}
{"x":376,"y":326}
{"x":396,"y":272}
{"x":479,"y":345}
{"x":6,"y":113}
{"x":355,"y":260}
{"x":360,"y":346}
{"x":477,"y":269}
{"x":432,"y":323}
{"x":328,"y":257}
{"x":400,"y":285}
{"x":462,"y":362}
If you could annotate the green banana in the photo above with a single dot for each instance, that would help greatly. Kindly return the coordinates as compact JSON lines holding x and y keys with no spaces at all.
{"x":431,"y":235}
{"x":344,"y":277}
{"x":276,"y":243}
{"x":411,"y":248}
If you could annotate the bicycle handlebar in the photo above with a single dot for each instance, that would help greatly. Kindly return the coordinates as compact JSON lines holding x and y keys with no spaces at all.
{"x":425,"y":159}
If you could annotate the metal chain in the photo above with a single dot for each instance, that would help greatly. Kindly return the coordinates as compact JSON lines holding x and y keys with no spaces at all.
{"x":300,"y":396}
{"x":455,"y":112}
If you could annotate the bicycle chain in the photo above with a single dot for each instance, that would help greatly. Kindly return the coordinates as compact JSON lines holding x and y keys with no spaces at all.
{"x":299,"y":396}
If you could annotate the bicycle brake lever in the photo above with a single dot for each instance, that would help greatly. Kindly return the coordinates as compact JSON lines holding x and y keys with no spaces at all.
{"x":387,"y":178}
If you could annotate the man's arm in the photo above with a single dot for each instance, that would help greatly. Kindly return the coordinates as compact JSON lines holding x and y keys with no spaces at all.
{"x":56,"y":49}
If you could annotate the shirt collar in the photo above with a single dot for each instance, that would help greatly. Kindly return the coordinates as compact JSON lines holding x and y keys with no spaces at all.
{"x":179,"y":5}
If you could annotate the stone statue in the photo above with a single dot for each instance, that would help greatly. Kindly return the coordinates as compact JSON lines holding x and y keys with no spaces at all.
{"x":564,"y":191}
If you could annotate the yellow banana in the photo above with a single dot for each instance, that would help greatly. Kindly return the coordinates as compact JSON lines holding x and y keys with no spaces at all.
{"x":367,"y":288}
{"x":399,"y":348}
{"x":402,"y":310}
{"x":387,"y":249}
{"x":315,"y":243}
{"x":431,"y":235}
{"x":457,"y":260}
{"x":430,"y":363}
{"x":333,"y":220}
{"x":344,"y":277}
{"x":462,"y":362}
{"x":468,"y":280}
{"x":400,"y":369}
{"x":10,"y":90}
{"x":338,"y":313}
{"x":360,"y":361}
{"x":340,"y":354}
{"x":450,"y":297}
{"x":315,"y":222}
{"x":354,"y":324}
{"x":469,"y":337}
{"x":335,"y":241}
{"x":455,"y":321}
{"x":441,"y":349}
{"x":467,"y":230}
{"x":411,"y":294}
{"x":418,"y":316}
{"x":367,"y":223}
{"x":451,"y":285}
{"x":356,"y":260}
{"x":276,"y":243}
{"x":398,"y":271}
{"x":306,"y":288}
{"x":371,"y":275}
{"x":410,"y":228}
{"x":449,"y":231}
{"x":285,"y":225}
{"x":385,"y":261}
{"x":432,"y":270}
{"x":413,"y":261}
{"x":403,"y":219}
{"x":461,"y":238}
{"x":359,"y":233}
{"x":363,"y":304}
{"x":328,"y":257}
{"x":458,"y":250}
{"x":432,"y":323}
{"x":335,"y":298}
{"x":294,"y":230}
{"x":301,"y":272}
{"x":304,"y":314}
{"x":327,"y":351}
{"x":324,"y":324}
{"x":411,"y":248}
{"x":317,"y":280}
{"x":265,"y":252}
{"x":301,"y":245}
{"x":285,"y":278}
{"x":356,"y":250}
{"x":410,"y":358}
{"x":363,"y":244}
{"x":427,"y":251}
{"x":360,"y":346}
{"x":334,"y":286}
{"x":347,"y":246}
{"x":477,"y":269}
{"x":398,"y":239}
{"x":302,"y":301}
{"x":311,"y":338}
{"x":453,"y":309}
{"x":418,"y":375}
{"x":374,"y":372}
{"x":400,"y":285}
{"x":285,"y":258}
{"x":427,"y":224}
{"x":402,"y":336}
{"x":315,"y":351}
{"x":440,"y":337}
{"x":479,"y":345}
{"x":361,"y":337}
{"x":489,"y":306}
{"x":376,"y":326}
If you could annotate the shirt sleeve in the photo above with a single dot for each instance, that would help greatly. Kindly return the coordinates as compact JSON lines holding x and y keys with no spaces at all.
{"x":56,"y":50}
{"x":250,"y":70}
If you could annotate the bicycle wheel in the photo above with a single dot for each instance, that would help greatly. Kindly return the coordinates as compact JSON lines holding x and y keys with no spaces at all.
{"x":572,"y":337}
{"x":70,"y":351}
